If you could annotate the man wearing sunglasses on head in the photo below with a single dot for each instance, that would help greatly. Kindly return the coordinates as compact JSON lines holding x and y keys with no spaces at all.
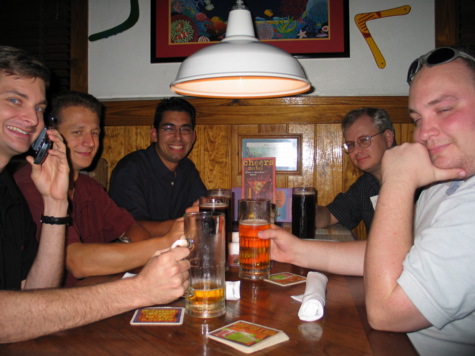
{"x":418,"y":263}
{"x":368,"y":133}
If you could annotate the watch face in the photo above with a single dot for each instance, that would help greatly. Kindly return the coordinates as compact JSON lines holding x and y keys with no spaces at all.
{"x":125,"y":239}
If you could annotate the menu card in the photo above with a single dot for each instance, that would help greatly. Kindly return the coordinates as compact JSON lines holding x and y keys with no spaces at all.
{"x":258,"y":178}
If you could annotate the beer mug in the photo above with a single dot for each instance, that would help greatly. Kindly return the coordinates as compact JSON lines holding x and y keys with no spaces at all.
{"x":220,"y":204}
{"x":304,"y":205}
{"x":254,"y":253}
{"x":206,"y":233}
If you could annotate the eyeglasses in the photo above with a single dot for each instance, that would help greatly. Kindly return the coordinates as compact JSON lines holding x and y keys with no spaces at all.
{"x":363,"y":142}
{"x":435,"y":57}
{"x":171,"y":130}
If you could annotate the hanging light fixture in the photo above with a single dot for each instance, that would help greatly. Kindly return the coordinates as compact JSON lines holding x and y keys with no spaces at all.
{"x":240,"y":66}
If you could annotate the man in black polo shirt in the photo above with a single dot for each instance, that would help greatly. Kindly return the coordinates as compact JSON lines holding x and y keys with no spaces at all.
{"x":156,"y":185}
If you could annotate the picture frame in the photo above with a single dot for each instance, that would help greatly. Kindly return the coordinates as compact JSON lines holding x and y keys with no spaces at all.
{"x":285,"y":148}
{"x":181,"y":27}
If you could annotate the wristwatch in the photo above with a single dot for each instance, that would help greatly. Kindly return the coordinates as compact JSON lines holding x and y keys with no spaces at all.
{"x":125,"y":239}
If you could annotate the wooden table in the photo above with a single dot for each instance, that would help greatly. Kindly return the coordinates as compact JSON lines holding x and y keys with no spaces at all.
{"x":342,"y":331}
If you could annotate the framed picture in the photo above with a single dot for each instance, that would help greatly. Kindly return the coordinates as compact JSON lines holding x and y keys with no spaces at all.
{"x":286,"y":150}
{"x":303,"y":28}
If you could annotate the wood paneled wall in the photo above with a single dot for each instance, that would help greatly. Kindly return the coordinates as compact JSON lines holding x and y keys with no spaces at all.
{"x":221,"y":122}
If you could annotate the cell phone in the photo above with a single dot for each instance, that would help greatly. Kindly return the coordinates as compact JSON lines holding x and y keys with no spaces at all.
{"x":42,"y":144}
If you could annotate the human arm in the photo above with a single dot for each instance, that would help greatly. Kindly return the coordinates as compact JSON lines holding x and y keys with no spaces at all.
{"x":405,"y":168}
{"x":137,"y":232}
{"x":323,"y":217}
{"x":160,"y":228}
{"x":52,"y":181}
{"x":94,"y":259}
{"x":157,"y":228}
{"x":162,"y":280}
{"x":334,"y":257}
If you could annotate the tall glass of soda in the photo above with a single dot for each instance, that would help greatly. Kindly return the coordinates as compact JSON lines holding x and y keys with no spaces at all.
{"x":304,"y":205}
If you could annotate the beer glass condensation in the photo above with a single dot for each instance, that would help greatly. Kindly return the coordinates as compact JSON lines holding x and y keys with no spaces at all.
{"x":220,"y":204}
{"x":254,"y":253}
{"x":304,"y":205}
{"x":206,"y":294}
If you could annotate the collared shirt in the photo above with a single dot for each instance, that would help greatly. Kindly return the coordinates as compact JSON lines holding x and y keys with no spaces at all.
{"x":18,"y":245}
{"x":143,"y":185}
{"x":95,"y":216}
{"x":355,"y":204}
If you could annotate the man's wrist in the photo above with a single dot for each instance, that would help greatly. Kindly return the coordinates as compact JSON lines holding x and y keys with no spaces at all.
{"x":53,"y":207}
{"x":53,"y":220}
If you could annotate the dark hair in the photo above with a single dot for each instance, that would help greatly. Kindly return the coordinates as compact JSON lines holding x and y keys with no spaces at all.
{"x":74,"y":98}
{"x":379,"y":116}
{"x":173,"y":104}
{"x":15,"y":61}
{"x":470,"y":50}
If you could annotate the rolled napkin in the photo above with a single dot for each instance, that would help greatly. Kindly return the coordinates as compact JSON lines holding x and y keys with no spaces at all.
{"x":233,"y":290}
{"x":313,"y":300}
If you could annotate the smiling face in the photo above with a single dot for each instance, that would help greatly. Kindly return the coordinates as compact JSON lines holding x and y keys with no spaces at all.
{"x":442,"y":105}
{"x":22,"y":104}
{"x":172,"y":147}
{"x":368,"y":159}
{"x":80,"y":128}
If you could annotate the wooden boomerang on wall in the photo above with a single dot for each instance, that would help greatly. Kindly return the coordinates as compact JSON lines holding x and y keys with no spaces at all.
{"x":361,"y":19}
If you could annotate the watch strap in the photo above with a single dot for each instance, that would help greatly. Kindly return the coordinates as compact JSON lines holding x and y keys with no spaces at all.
{"x":51,"y":220}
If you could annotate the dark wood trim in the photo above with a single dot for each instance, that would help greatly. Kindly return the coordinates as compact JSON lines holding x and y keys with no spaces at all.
{"x":446,"y":22}
{"x":79,"y":45}
{"x":308,"y":109}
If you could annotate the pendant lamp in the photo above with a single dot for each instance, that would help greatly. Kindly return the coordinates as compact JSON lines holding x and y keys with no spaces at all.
{"x":240,"y":66}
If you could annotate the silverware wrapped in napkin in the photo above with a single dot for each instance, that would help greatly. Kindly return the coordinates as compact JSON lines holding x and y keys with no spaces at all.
{"x":313,"y":300}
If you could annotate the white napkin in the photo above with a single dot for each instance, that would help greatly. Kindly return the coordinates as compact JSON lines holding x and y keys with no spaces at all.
{"x":313,"y":300}
{"x":233,"y":290}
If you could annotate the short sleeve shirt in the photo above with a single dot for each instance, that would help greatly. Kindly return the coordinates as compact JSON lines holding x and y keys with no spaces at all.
{"x":354,"y":205}
{"x":95,"y":216}
{"x":143,"y":185}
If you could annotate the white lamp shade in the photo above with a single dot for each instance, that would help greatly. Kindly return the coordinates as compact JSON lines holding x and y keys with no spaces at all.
{"x":240,"y":67}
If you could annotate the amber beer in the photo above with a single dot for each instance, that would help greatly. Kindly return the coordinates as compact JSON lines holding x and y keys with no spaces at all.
{"x":304,"y":203}
{"x":205,"y":298}
{"x":254,"y":253}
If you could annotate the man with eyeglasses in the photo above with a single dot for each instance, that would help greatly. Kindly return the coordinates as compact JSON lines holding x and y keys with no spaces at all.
{"x":418,"y":264}
{"x":368,"y":133}
{"x":159,"y":183}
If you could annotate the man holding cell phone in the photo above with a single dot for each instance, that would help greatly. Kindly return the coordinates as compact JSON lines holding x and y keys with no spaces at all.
{"x":25,"y":266}
{"x":96,"y":219}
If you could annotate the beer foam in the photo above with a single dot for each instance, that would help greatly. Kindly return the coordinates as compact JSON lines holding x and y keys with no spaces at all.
{"x":254,"y":222}
{"x":214,"y":205}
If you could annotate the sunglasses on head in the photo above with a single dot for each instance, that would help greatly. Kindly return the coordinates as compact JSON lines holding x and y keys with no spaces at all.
{"x":437,"y":56}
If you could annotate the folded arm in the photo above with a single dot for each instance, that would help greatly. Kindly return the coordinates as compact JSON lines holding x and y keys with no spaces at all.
{"x":405,"y":168}
{"x":93,"y":259}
